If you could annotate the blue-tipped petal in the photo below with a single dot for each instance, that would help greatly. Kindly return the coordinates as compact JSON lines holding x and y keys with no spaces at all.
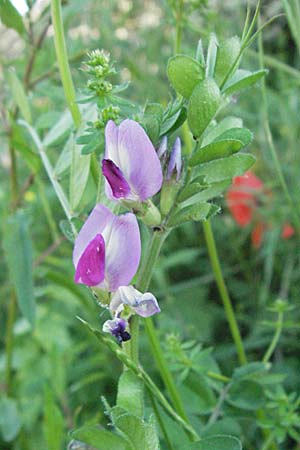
{"x":175,"y":163}
{"x":144,"y":305}
{"x":163,"y":146}
{"x":117,"y":328}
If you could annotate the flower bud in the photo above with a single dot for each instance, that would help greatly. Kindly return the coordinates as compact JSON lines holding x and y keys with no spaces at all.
{"x":117,"y":328}
{"x":171,"y":184}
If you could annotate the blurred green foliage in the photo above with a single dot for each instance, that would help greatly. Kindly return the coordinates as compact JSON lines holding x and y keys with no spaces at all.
{"x":59,"y":369}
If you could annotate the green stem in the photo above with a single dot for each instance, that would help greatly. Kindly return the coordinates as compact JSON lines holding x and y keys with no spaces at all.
{"x":178,"y":27}
{"x":142,"y":374}
{"x":145,"y":275}
{"x":47,"y":210}
{"x":66,"y":77}
{"x":276,"y":337}
{"x":160,"y":421}
{"x":9,"y":336}
{"x":290,"y":201}
{"x":268,"y":442}
{"x":214,"y":258}
{"x":62,"y":59}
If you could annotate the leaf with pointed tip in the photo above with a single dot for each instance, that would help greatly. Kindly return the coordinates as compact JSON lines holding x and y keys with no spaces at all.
{"x":225,"y":168}
{"x":242,"y":79}
{"x":228,"y":143}
{"x":195,"y":213}
{"x":10,"y":17}
{"x":211,"y":55}
{"x":217,"y":442}
{"x":18,"y":252}
{"x":100,"y":438}
{"x":210,"y":192}
{"x":19,"y":95}
{"x":80,"y":169}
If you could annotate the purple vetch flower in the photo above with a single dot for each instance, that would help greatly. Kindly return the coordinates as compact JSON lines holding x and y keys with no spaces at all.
{"x":117,"y":328}
{"x":144,"y":305}
{"x":107,"y":249}
{"x":175,"y":163}
{"x":131,"y":166}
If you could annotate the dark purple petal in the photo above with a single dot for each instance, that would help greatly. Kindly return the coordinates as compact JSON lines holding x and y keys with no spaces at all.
{"x":91,"y":264}
{"x":117,"y":328}
{"x":119,"y":186}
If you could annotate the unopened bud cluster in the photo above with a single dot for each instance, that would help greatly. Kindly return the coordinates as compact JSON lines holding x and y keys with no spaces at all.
{"x":99,"y":66}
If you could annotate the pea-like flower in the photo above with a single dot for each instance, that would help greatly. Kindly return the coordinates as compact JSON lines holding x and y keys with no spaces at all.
{"x":117,"y":328}
{"x":107,"y":249}
{"x":144,"y":305}
{"x":131,"y":166}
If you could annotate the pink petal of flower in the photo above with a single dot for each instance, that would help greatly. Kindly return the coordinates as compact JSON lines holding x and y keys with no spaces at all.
{"x":123,"y":250}
{"x":129,"y":147}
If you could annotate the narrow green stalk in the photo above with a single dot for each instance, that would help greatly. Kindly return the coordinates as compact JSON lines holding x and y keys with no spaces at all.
{"x":178,"y":27}
{"x":268,"y":442}
{"x":218,"y":376}
{"x":14,"y":186}
{"x":62,"y":59}
{"x":276,"y":162}
{"x":66,"y":77}
{"x":214,"y":258}
{"x":145,"y":275}
{"x":278,"y":65}
{"x":47,"y":210}
{"x":276,"y":337}
{"x":142,"y":374}
{"x":9,"y":341}
{"x":11,"y":308}
{"x":160,"y":422}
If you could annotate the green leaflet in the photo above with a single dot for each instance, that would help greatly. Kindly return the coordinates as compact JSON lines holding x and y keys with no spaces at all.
{"x":10,"y":17}
{"x":218,"y":442}
{"x":18,"y":93}
{"x":228,"y":143}
{"x":225,"y":168}
{"x":227,"y":54}
{"x":195,"y":212}
{"x":203,"y":105}
{"x":242,"y":79}
{"x":184,"y":73}
{"x":100,"y":439}
{"x":10,"y":421}
{"x":80,"y":169}
{"x":18,"y":252}
{"x":53,"y":422}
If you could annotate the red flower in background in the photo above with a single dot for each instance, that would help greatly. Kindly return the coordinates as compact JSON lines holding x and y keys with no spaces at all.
{"x":242,"y":200}
{"x":242,"y":196}
{"x":287,"y":231}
